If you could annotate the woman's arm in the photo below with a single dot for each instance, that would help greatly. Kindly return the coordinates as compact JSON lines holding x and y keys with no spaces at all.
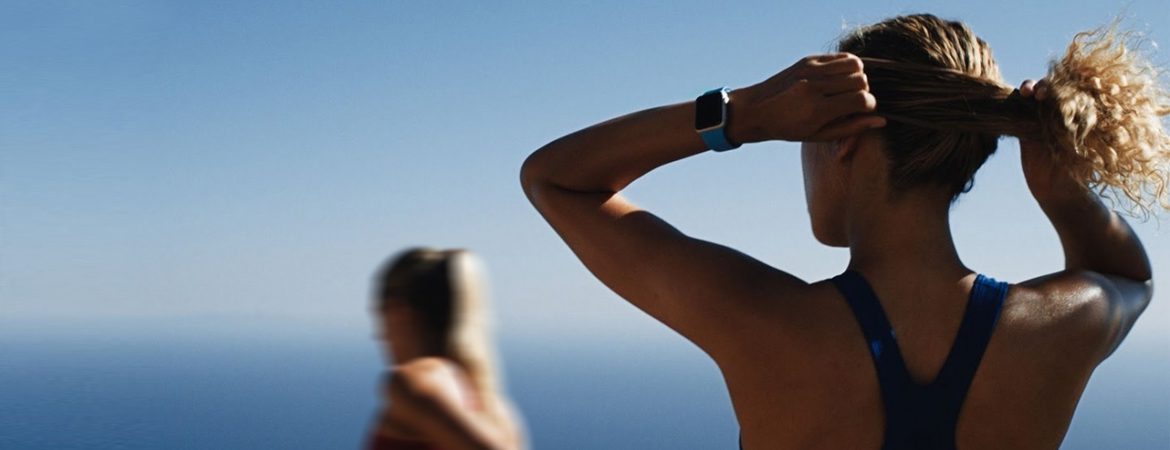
{"x":698,"y":288}
{"x":1095,"y":239}
{"x":427,"y":396}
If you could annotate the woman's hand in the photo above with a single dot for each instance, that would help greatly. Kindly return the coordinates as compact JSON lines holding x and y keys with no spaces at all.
{"x":1046,"y":178}
{"x":820,"y":98}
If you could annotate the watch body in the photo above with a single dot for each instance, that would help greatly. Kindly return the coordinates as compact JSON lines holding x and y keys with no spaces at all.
{"x":711,"y":119}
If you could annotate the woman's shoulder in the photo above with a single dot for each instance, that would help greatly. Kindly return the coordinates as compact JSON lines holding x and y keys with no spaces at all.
{"x":1067,"y":309}
{"x":1060,"y":299}
{"x":427,"y":380}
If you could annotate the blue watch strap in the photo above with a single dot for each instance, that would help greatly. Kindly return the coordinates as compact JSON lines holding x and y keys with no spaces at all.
{"x":716,"y":138}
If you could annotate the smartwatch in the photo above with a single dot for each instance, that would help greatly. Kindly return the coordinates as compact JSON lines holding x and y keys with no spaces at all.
{"x":711,"y":119}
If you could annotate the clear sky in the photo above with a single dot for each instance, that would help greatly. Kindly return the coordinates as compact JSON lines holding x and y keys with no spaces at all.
{"x":257,"y":160}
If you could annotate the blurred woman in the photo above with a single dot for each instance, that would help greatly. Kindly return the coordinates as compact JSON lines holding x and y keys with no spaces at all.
{"x":443,"y":390}
{"x":893,"y":129}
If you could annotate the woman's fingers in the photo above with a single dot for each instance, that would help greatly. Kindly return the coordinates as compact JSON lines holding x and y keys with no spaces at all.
{"x":1042,"y":90}
{"x":820,"y":60}
{"x":1027,"y":88}
{"x":848,"y":126}
{"x":855,"y":81}
{"x":841,"y":102}
{"x":1037,"y":89}
{"x":841,"y":64}
{"x":822,"y":94}
{"x":844,"y":104}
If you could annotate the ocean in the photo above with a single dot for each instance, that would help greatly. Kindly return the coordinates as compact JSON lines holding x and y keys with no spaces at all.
{"x":157,"y":386}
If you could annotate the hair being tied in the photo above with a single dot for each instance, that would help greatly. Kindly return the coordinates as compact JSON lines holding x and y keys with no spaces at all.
{"x":940,"y":89}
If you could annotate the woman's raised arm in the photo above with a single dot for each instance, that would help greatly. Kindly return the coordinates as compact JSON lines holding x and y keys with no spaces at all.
{"x":1100,"y":248}
{"x":686,"y":283}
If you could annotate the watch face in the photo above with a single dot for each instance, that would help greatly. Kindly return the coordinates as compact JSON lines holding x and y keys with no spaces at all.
{"x":708,"y":110}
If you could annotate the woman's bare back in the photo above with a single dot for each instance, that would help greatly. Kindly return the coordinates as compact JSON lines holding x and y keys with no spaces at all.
{"x":809,"y":382}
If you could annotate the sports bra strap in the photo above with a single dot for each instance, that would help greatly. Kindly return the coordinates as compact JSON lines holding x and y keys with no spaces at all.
{"x":893,"y":378}
{"x":924,"y":415}
{"x":982,"y":313}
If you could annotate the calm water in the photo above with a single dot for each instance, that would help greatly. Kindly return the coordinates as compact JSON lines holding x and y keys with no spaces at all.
{"x":229,"y":386}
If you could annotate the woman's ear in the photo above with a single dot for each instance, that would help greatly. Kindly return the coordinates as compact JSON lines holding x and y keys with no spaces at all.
{"x":846,"y":147}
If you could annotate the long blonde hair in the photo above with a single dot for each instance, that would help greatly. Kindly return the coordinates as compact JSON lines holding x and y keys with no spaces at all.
{"x":443,"y":288}
{"x":947,"y":105}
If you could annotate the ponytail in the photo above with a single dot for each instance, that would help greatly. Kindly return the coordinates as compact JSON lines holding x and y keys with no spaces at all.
{"x":940,"y":88}
{"x":1103,"y":116}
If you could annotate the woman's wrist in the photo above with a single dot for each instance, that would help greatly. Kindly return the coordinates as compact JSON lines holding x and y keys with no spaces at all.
{"x":741,"y":116}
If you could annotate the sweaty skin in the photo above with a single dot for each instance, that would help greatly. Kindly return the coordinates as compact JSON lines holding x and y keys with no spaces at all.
{"x":795,"y":363}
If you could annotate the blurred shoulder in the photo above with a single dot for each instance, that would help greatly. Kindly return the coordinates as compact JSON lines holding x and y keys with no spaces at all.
{"x":426,"y":380}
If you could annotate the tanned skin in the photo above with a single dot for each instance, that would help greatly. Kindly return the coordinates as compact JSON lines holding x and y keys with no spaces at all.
{"x":794,"y":360}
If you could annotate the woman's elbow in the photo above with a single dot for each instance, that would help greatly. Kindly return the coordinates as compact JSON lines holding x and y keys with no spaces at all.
{"x":533,"y":172}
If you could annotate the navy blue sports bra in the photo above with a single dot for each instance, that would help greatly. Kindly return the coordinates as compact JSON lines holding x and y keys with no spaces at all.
{"x":923,"y":416}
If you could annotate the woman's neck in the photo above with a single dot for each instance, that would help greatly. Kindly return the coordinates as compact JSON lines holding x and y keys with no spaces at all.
{"x":910,"y":236}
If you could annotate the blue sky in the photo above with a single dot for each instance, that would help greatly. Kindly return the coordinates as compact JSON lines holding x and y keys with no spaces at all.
{"x":257,"y":160}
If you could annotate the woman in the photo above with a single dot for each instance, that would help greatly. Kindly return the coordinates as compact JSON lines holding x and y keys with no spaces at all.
{"x":893,"y":128}
{"x":443,"y":390}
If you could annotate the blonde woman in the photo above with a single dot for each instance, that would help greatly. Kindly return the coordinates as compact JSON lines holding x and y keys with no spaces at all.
{"x":908,"y":348}
{"x":443,"y":390}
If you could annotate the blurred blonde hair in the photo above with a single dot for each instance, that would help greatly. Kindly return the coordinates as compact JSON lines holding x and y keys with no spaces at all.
{"x":940,"y":89}
{"x":444,"y":288}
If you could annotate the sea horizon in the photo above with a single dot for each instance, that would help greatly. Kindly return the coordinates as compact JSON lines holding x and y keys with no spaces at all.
{"x":223,"y":385}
